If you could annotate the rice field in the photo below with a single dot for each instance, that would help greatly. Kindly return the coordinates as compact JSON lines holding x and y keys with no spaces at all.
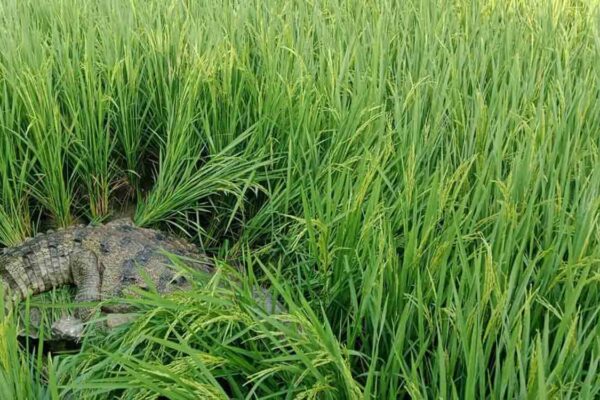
{"x":417,"y":181}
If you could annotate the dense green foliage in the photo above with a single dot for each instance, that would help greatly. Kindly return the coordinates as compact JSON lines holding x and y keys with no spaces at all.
{"x":419,"y":182}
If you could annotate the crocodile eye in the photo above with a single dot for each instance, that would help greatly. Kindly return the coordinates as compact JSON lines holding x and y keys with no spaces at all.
{"x":128,"y":280}
{"x":144,"y":287}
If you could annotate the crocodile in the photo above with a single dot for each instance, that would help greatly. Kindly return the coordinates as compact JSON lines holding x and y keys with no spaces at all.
{"x":102,"y":262}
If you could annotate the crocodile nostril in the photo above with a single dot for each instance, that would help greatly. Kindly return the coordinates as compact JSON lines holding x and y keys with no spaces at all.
{"x":104,"y":247}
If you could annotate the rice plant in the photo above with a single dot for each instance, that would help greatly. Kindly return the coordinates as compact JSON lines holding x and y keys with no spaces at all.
{"x":418,"y":182}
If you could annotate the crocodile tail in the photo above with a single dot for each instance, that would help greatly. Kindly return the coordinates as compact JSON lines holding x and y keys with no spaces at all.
{"x":13,"y":276}
{"x":37,"y":265}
